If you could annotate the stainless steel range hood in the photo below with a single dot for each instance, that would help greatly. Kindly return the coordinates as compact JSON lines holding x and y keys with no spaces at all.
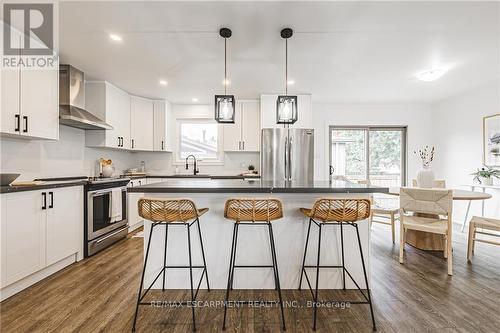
{"x":72,"y":101}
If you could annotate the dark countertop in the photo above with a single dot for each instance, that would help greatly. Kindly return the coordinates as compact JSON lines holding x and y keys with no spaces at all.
{"x":253,"y":186}
{"x":44,"y":186}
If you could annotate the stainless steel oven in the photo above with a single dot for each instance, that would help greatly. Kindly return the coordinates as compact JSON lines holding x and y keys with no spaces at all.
{"x":100,"y":230}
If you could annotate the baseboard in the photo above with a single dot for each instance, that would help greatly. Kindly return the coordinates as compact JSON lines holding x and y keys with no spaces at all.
{"x":30,"y":280}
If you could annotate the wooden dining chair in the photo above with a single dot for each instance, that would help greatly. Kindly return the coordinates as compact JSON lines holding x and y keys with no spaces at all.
{"x":427,"y":210}
{"x":383,"y":214}
{"x":488,"y":226}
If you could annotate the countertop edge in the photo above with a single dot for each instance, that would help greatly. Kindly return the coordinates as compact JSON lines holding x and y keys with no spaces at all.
{"x":145,"y":189}
{"x":15,"y":189}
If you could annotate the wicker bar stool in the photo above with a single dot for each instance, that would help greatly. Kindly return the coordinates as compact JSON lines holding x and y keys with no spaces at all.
{"x":338,"y":212}
{"x":176,"y":212}
{"x":253,"y":212}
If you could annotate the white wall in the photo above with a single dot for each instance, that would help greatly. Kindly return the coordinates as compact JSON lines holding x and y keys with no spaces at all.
{"x":63,"y":158}
{"x":415,"y":117}
{"x":457,"y":133}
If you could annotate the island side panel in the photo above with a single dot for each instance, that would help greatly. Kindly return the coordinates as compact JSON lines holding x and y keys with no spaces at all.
{"x":253,"y":246}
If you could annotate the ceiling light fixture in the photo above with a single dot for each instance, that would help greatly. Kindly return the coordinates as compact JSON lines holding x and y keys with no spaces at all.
{"x":430,"y":75}
{"x":290,"y":82}
{"x":194,"y":99}
{"x":115,"y":38}
{"x":225,"y":104}
{"x":286,"y":106}
{"x":163,"y":82}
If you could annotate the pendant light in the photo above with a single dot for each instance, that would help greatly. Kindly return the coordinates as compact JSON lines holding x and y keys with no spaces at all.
{"x":286,"y":106}
{"x":225,"y":104}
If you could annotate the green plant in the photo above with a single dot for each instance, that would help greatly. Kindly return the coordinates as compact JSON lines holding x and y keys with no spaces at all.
{"x":485,"y":172}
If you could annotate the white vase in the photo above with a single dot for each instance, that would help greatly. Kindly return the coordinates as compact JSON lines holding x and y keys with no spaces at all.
{"x":425,"y":178}
{"x":486,"y":181}
{"x":107,"y":171}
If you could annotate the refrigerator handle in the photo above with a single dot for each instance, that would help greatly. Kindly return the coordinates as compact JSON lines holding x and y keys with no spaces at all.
{"x":286,"y":158}
{"x":290,"y":159}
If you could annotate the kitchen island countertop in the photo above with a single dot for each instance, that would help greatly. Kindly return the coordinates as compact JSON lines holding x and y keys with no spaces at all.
{"x":254,"y":186}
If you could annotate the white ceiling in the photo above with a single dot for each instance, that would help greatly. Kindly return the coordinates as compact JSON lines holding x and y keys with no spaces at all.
{"x":342,"y":52}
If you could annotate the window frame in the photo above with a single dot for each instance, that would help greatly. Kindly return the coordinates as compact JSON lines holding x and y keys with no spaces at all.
{"x":220,"y":144}
{"x":404,"y":141}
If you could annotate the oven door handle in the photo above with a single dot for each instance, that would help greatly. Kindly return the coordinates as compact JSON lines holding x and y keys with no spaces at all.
{"x":98,"y":193}
{"x":111,"y":235}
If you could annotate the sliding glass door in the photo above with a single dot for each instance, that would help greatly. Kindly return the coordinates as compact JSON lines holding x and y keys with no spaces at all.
{"x":377,"y":154}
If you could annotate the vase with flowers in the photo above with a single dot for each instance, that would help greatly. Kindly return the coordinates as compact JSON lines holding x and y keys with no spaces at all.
{"x":425,"y":176}
{"x":485,"y":175}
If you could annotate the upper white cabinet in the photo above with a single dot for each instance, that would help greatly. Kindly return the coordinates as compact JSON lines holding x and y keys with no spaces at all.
{"x":112,"y":105}
{"x":163,"y":126}
{"x":268,"y":112}
{"x":30,"y":102}
{"x":244,"y":134}
{"x":141,"y":123}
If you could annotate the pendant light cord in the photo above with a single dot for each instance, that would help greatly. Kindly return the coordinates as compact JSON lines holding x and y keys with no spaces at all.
{"x":225,"y":66}
{"x":286,"y":66}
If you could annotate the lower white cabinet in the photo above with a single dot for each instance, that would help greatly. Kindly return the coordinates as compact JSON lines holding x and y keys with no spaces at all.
{"x":38,"y":229}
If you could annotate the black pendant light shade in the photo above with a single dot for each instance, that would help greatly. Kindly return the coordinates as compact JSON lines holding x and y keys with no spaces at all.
{"x":224,"y":109}
{"x":286,"y":109}
{"x":225,"y":104}
{"x":286,"y":106}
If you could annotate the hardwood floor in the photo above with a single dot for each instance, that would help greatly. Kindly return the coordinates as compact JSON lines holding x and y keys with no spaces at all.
{"x":99,"y":294}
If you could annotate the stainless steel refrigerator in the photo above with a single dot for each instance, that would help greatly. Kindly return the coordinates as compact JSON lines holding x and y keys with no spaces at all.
{"x":287,"y":154}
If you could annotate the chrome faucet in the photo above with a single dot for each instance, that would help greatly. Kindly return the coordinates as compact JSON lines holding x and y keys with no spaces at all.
{"x":195,"y":171}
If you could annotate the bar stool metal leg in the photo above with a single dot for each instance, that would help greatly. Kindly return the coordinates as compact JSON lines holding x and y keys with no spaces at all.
{"x":317,"y":279}
{"x":234,"y":256}
{"x":165,"y":257}
{"x":342,"y":245}
{"x":203,"y":253}
{"x":366,"y":278}
{"x":229,"y":277}
{"x":305,"y":252}
{"x":191,"y":275}
{"x":276,"y":276}
{"x":142,"y":278}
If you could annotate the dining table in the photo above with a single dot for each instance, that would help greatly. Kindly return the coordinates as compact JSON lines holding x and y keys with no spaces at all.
{"x":434,"y":242}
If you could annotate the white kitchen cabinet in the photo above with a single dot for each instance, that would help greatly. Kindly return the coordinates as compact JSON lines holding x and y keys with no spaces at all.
{"x":112,"y":105}
{"x":30,"y":101}
{"x":134,"y":220}
{"x":163,"y":126}
{"x":141,"y":123}
{"x":64,"y":232}
{"x":244,"y":134}
{"x":40,"y":103}
{"x":38,"y":229}
{"x":268,"y":112}
{"x":22,"y":235}
{"x":10,"y":101}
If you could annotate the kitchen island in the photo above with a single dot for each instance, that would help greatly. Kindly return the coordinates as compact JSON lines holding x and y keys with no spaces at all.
{"x":253,"y":247}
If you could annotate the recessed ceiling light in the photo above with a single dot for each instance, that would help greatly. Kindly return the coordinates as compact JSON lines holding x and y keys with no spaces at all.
{"x":115,"y":38}
{"x":430,"y":75}
{"x":290,"y":82}
{"x":163,"y":82}
{"x":194,"y":99}
{"x":226,"y":82}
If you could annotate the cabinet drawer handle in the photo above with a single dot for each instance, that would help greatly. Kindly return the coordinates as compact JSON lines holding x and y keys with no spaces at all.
{"x":44,"y":197}
{"x":18,"y":123}
{"x":239,"y":145}
{"x":162,"y":145}
{"x":25,"y":119}
{"x":243,"y":144}
{"x":51,"y":197}
{"x":132,"y":143}
{"x":119,"y":142}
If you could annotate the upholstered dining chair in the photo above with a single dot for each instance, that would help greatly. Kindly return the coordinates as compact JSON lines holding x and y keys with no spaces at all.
{"x":438,"y":183}
{"x":427,"y":210}
{"x":383,"y":213}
